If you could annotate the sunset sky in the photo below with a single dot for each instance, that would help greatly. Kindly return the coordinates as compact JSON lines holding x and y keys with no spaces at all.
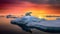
{"x":17,"y":8}
{"x":37,"y":7}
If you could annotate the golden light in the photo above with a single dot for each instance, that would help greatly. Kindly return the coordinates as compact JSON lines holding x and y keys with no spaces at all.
{"x":40,"y":17}
{"x":42,"y":11}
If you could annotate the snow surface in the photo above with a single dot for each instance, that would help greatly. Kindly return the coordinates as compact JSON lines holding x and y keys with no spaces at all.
{"x":34,"y":21}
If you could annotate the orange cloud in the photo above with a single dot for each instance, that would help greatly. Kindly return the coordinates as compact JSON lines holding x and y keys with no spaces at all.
{"x":36,"y":9}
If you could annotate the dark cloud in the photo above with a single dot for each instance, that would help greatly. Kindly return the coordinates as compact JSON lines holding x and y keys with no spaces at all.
{"x":4,"y":4}
{"x":32,"y":1}
{"x":43,"y":1}
{"x":7,"y":1}
{"x":54,"y":2}
{"x":36,"y":1}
